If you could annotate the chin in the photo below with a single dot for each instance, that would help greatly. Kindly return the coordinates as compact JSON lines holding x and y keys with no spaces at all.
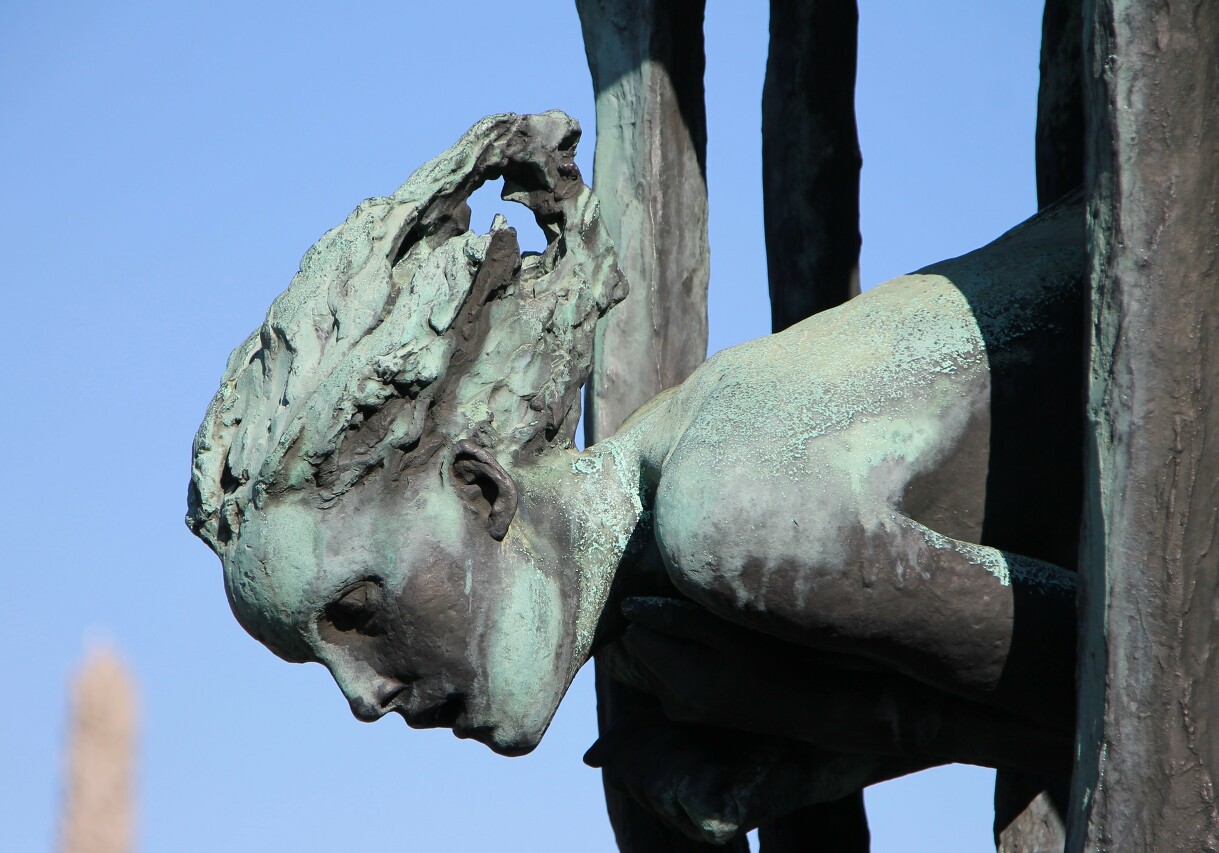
{"x":515,"y":748}
{"x":506,"y":734}
{"x":500,"y":741}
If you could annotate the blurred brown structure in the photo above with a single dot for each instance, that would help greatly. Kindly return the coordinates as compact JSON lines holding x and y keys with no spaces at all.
{"x":99,"y":798}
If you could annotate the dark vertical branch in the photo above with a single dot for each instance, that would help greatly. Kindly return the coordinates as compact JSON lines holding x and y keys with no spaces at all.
{"x":1060,"y":105}
{"x":810,"y":158}
{"x":1030,"y":812}
{"x":810,"y":181}
{"x":1149,"y":565}
{"x":646,"y":59}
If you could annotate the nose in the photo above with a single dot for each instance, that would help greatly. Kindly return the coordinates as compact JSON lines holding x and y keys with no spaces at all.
{"x":369,"y":694}
{"x":373,"y":702}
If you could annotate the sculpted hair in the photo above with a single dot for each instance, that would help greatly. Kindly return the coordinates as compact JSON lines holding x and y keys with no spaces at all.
{"x":404,"y":331}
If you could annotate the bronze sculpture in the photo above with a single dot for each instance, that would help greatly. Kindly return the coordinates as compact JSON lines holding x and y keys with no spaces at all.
{"x":387,"y":474}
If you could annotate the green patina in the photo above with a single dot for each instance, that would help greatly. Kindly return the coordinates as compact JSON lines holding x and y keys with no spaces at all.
{"x":371,"y":313}
{"x":383,"y":358}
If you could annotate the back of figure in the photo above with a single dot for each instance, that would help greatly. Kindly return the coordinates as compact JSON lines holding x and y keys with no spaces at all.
{"x":950,"y":394}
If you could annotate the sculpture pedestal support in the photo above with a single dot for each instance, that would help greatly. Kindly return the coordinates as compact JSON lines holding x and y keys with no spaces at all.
{"x":1145,"y":778}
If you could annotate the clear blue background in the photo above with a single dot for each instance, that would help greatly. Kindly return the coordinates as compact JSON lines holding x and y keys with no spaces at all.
{"x":164,"y":167}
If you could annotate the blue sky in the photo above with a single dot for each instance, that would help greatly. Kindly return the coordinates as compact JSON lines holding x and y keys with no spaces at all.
{"x":166,"y":165}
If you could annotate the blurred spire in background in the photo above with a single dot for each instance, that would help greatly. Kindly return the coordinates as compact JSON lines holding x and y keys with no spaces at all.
{"x":99,"y":805}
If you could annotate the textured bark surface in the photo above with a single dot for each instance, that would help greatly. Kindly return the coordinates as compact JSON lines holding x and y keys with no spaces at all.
{"x":647,"y":61}
{"x":99,"y":788}
{"x":810,"y":158}
{"x":1149,"y":676}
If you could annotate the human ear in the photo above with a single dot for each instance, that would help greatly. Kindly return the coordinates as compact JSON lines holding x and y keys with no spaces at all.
{"x":485,"y":486}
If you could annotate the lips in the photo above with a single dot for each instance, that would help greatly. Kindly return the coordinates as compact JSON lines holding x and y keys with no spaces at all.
{"x":440,"y":715}
{"x":451,"y":711}
{"x":478,"y":733}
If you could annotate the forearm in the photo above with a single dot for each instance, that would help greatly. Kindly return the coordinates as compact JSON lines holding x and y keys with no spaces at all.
{"x":987,"y":625}
{"x":890,"y":715}
{"x":751,"y":682}
{"x":979,"y":623}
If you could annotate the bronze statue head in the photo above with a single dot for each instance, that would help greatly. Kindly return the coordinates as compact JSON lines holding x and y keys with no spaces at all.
{"x":351,"y":472}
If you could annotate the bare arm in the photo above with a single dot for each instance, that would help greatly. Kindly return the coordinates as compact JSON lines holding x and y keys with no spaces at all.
{"x":707,"y":671}
{"x":985,"y":625}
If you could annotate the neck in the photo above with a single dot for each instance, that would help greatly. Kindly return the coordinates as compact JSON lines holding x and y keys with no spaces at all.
{"x":591,"y":504}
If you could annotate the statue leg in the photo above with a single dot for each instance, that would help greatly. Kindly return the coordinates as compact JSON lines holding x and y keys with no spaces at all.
{"x":837,"y":827}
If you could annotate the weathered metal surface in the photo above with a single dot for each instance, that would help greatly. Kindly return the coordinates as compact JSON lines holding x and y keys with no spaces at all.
{"x":810,"y":182}
{"x":646,"y":59}
{"x":810,"y":186}
{"x":1028,"y":818}
{"x":810,"y":158}
{"x":1149,"y":674}
{"x":1060,"y":106}
{"x":408,"y":357}
{"x":388,"y":477}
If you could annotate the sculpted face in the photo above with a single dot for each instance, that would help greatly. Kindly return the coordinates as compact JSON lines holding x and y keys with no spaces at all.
{"x":404,"y":332}
{"x":431,"y":604}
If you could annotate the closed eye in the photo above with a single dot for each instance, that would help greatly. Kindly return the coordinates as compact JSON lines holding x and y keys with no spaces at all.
{"x":356,"y":609}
